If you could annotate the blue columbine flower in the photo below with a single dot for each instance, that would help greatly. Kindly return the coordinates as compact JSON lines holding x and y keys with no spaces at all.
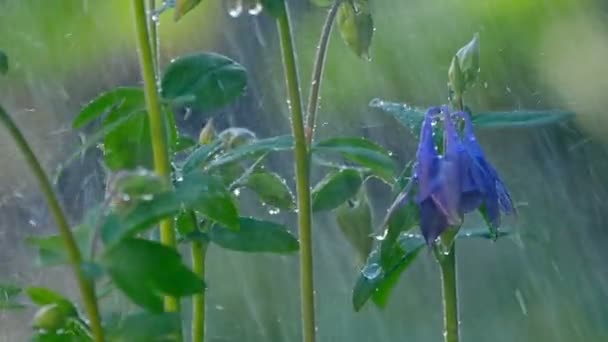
{"x":454,"y":182}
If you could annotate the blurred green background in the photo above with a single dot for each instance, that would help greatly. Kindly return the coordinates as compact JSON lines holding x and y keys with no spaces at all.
{"x":549,"y":283}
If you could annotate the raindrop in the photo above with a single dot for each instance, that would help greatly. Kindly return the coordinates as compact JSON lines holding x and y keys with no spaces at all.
{"x":32,"y":223}
{"x":376,"y":103}
{"x":381,"y":237}
{"x":256,"y":9}
{"x":219,"y":307}
{"x":236,"y":8}
{"x":125,"y":197}
{"x":155,"y":17}
{"x":372,"y":271}
{"x":236,"y":192}
{"x":147,"y":197}
{"x":274,"y":211}
{"x":485,"y":85}
{"x":522,"y":303}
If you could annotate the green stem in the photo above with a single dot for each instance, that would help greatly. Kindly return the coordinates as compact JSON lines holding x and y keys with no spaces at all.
{"x":302,"y":171}
{"x":159,"y":146}
{"x":317,"y":73}
{"x":198,"y":251}
{"x":154,"y":42}
{"x":87,"y":288}
{"x":447,"y":263}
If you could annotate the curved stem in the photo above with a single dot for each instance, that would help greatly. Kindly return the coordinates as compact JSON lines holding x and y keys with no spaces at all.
{"x":198,"y":251}
{"x":302,"y":170}
{"x":159,"y":146}
{"x":447,"y":264}
{"x":87,"y":288}
{"x":317,"y":73}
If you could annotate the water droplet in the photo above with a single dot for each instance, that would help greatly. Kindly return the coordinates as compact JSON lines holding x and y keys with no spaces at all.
{"x":125,"y":197}
{"x":256,"y":9}
{"x":372,"y":271}
{"x":236,"y":192}
{"x":155,"y":17}
{"x":376,"y":103}
{"x":219,"y":307}
{"x":32,"y":223}
{"x":521,"y":301}
{"x":147,"y":197}
{"x":381,"y":237}
{"x":485,"y":85}
{"x":236,"y":9}
{"x":274,"y":211}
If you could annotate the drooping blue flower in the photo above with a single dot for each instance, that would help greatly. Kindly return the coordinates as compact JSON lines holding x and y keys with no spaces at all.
{"x":454,"y":182}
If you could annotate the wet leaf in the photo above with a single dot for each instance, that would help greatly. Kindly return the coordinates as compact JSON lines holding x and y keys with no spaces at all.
{"x":128,"y":146}
{"x":124,"y":100}
{"x":255,"y":236}
{"x":146,"y":327}
{"x":205,"y":81}
{"x":255,"y":148}
{"x":361,"y":151}
{"x":182,"y":7}
{"x":51,"y":250}
{"x":520,"y":118}
{"x":42,"y":296}
{"x":3,"y":63}
{"x":185,"y":222}
{"x":272,"y":189}
{"x":356,"y":26}
{"x":335,"y":189}
{"x":200,"y":156}
{"x":355,"y":220}
{"x":198,"y":191}
{"x":50,"y":317}
{"x":146,"y":270}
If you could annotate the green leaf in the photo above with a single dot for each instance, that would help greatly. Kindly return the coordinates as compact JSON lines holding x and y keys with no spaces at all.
{"x":412,"y":117}
{"x":362,"y":151}
{"x":376,"y":281}
{"x":128,"y":146}
{"x":146,"y":270}
{"x":42,"y":296}
{"x":185,"y":222}
{"x":136,"y":183}
{"x":182,"y":7}
{"x":200,"y":156}
{"x":322,"y":3}
{"x":272,"y":189}
{"x":520,"y":118}
{"x":355,"y":220}
{"x":257,"y":147}
{"x":3,"y":63}
{"x":276,"y":8}
{"x":124,"y":100}
{"x":51,"y":248}
{"x":183,"y":143}
{"x":255,"y":236}
{"x":205,"y":81}
{"x":8,"y":292}
{"x":335,"y":189}
{"x":356,"y":26}
{"x":146,"y":327}
{"x":204,"y":193}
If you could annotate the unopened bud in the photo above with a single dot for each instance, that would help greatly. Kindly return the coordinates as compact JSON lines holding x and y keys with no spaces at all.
{"x":50,"y":317}
{"x":207,"y":134}
{"x":468,"y":58}
{"x":236,"y":136}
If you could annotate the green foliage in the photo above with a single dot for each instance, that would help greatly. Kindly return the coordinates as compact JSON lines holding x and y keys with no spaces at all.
{"x":361,"y":151}
{"x":356,"y":26}
{"x":255,"y":236}
{"x":322,"y":3}
{"x":182,"y":7}
{"x":355,"y":220}
{"x":122,"y":100}
{"x":146,"y":327}
{"x":335,"y":189}
{"x":272,"y":189}
{"x":51,"y":249}
{"x":275,"y":8}
{"x":204,"y":81}
{"x":255,"y":148}
{"x":8,"y":294}
{"x":146,"y":270}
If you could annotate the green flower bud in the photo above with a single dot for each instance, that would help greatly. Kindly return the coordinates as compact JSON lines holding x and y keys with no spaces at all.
{"x":207,"y":133}
{"x":50,"y":317}
{"x":356,"y":26}
{"x":468,"y":58}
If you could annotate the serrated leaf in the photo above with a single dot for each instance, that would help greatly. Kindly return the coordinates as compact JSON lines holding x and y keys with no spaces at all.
{"x":42,"y":296}
{"x":146,"y":327}
{"x":198,"y":191}
{"x":182,"y":7}
{"x":124,"y":100}
{"x":146,"y":270}
{"x":361,"y":151}
{"x":205,"y":81}
{"x":272,"y":189}
{"x":257,"y":147}
{"x":335,"y":189}
{"x":356,"y":26}
{"x":255,"y":236}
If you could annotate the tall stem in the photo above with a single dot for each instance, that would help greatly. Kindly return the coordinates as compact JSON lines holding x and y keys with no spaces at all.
{"x":447,"y":264}
{"x":199,"y":251}
{"x":86,"y":287}
{"x":154,"y":42}
{"x":317,"y":73}
{"x":159,"y":146}
{"x":302,"y":171}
